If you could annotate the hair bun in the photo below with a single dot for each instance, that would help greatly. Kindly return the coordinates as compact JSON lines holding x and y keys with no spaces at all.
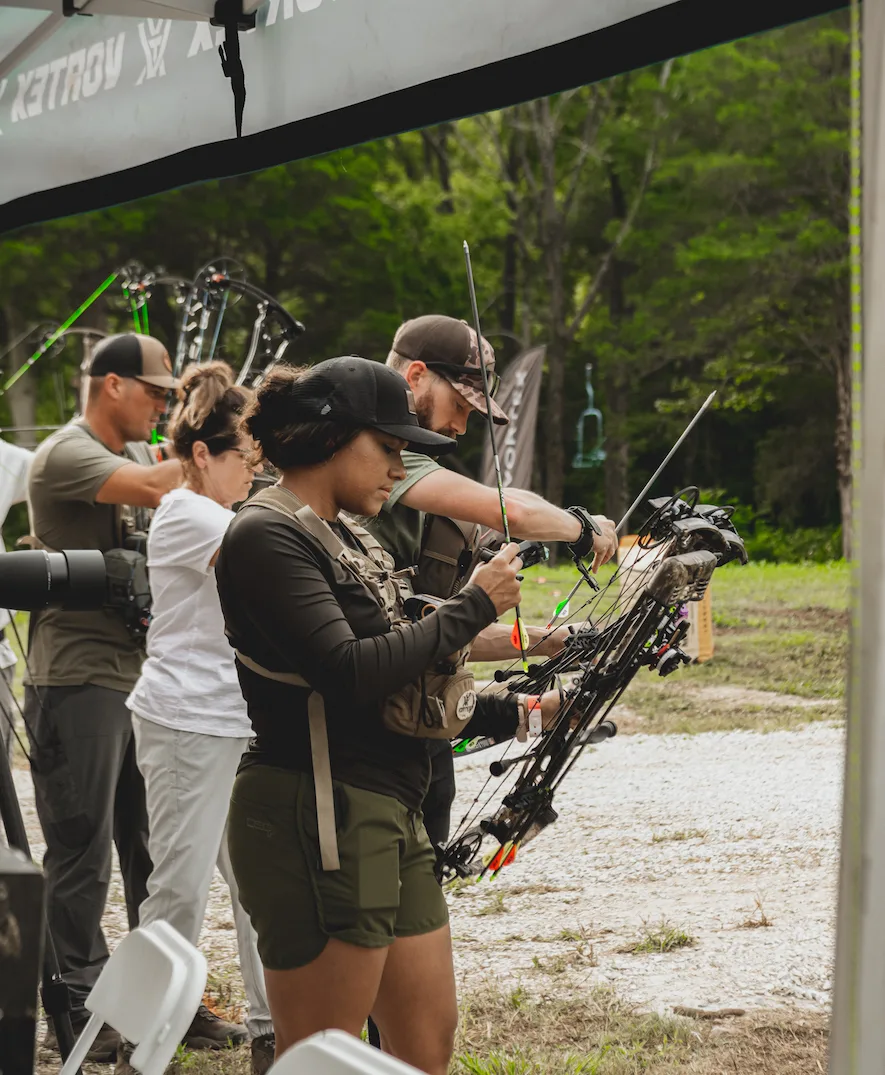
{"x":209,"y":408}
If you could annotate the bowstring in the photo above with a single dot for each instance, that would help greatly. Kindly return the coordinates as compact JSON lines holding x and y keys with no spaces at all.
{"x":630,"y":579}
{"x":624,"y":596}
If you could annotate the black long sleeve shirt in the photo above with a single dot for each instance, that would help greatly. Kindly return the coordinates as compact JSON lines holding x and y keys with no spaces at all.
{"x":289,"y":606}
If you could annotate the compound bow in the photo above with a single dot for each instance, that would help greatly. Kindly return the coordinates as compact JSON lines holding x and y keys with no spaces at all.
{"x":637,"y":620}
{"x":219,"y":285}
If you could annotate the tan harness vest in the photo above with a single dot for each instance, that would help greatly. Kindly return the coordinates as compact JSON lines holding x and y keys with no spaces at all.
{"x":439,"y":706}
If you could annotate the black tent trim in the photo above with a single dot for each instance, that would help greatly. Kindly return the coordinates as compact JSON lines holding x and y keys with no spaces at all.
{"x":673,"y":30}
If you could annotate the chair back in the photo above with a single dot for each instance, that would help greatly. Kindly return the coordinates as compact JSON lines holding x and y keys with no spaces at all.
{"x":333,"y":1052}
{"x":149,"y":991}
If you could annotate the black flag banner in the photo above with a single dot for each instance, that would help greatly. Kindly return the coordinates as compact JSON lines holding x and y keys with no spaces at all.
{"x":518,"y":397}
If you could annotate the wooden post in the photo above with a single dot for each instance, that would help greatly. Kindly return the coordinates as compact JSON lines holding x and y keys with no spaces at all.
{"x":699,"y":642}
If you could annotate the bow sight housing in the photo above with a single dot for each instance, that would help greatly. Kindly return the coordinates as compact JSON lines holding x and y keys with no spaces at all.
{"x":637,"y":620}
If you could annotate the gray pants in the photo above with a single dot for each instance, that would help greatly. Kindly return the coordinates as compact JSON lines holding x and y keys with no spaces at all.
{"x":89,"y":793}
{"x":189,"y":777}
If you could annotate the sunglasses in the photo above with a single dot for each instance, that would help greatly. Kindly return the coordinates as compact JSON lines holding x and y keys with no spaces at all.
{"x":467,"y":375}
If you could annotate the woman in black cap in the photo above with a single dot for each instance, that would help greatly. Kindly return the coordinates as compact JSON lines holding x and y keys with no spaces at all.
{"x":325,"y":832}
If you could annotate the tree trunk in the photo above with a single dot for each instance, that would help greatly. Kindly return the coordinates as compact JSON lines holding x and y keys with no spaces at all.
{"x":445,"y":171}
{"x":616,"y":447}
{"x":555,"y":453}
{"x":95,"y":317}
{"x":617,"y":394}
{"x":22,"y":396}
{"x":436,"y":150}
{"x":843,"y":447}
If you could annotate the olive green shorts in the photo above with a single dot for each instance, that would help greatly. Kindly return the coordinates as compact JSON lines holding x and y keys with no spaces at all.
{"x":384,"y":889}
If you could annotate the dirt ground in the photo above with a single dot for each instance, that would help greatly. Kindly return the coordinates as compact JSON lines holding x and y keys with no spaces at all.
{"x":686,"y":872}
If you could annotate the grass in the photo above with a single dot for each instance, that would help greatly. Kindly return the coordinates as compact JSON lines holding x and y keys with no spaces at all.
{"x":222,"y":997}
{"x":496,"y":905}
{"x":514,"y":1032}
{"x":778,"y":628}
{"x":676,"y":837}
{"x":660,"y":938}
{"x":757,"y":920}
{"x":583,"y":954}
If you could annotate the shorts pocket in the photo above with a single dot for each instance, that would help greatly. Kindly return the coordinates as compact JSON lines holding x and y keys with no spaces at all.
{"x":378,"y":885}
{"x":360,"y":900}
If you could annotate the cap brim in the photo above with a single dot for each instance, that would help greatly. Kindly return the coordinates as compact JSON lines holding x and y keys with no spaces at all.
{"x":421,"y":440}
{"x":164,"y":381}
{"x":476,"y":398}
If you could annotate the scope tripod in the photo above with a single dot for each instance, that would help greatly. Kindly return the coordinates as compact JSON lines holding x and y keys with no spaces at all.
{"x":53,"y":991}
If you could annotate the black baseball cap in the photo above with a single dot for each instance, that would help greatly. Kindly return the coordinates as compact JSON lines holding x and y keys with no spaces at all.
{"x":132,"y":355}
{"x":366,"y":393}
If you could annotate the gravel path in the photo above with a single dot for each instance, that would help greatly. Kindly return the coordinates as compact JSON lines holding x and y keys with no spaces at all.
{"x":754,"y":816}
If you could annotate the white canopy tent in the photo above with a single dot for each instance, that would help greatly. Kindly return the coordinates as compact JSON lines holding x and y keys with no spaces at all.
{"x":127,"y":97}
{"x":104,"y":101}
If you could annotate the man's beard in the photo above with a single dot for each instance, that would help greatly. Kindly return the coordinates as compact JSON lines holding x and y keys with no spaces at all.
{"x":424,"y":410}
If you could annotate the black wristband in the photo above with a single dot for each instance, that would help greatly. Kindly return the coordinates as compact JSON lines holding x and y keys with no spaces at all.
{"x":589,"y":529}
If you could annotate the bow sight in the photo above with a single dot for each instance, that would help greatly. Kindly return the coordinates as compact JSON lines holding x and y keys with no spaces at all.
{"x":637,"y":620}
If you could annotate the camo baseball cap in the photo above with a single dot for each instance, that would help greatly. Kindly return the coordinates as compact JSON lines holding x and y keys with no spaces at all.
{"x":130,"y":354}
{"x":449,"y":347}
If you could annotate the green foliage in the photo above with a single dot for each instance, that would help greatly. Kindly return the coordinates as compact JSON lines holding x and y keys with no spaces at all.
{"x":704,"y":205}
{"x":816,"y":544}
{"x":767,"y":542}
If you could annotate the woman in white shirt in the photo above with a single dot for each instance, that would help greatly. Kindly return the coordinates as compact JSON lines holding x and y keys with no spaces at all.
{"x":188,"y":713}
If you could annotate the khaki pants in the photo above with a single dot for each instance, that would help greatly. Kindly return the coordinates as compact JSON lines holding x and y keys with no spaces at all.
{"x":188,"y":778}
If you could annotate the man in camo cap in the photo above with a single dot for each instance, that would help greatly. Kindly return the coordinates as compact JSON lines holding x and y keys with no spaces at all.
{"x":439,"y":357}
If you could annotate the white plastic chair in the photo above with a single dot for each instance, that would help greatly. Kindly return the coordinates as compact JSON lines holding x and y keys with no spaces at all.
{"x":148,"y":991}
{"x":332,"y":1052}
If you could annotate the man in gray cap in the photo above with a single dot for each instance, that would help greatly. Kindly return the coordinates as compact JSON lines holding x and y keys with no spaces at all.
{"x":439,"y":357}
{"x":82,"y":665}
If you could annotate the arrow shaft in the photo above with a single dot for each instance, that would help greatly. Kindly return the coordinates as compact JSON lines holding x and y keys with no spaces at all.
{"x":499,"y":480}
{"x":669,"y":456}
{"x":65,"y":325}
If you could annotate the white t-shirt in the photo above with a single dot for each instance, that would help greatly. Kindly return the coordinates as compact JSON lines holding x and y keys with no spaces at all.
{"x":189,"y":680}
{"x":15,"y":466}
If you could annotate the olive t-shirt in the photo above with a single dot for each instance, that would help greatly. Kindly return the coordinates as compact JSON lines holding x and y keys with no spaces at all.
{"x":75,"y":648}
{"x":397,"y":527}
